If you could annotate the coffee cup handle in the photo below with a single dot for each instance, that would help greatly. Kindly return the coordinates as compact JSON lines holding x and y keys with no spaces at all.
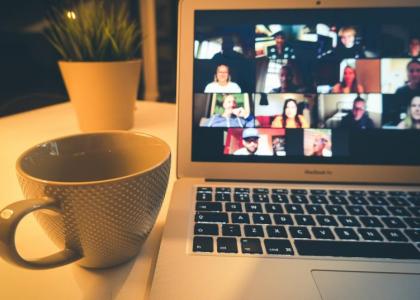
{"x":10,"y":218}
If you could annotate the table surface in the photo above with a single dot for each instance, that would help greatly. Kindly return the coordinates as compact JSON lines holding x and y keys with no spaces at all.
{"x":128,"y":281}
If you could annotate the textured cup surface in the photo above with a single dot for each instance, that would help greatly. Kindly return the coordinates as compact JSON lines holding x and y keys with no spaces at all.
{"x":109,"y":187}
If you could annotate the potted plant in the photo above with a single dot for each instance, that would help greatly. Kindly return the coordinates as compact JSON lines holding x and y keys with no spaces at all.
{"x":99,"y":45}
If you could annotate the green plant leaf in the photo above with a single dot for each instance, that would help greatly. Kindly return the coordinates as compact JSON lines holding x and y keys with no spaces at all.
{"x":93,"y":31}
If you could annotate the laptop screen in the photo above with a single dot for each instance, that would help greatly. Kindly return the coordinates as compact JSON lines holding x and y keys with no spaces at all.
{"x":339,"y":86}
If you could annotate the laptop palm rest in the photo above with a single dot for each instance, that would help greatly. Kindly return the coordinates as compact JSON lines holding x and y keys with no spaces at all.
{"x":344,"y":285}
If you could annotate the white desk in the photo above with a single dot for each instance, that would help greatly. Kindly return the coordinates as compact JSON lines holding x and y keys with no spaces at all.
{"x":129,"y":281}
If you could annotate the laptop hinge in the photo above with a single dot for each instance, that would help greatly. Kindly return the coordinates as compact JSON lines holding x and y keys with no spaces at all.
{"x":306,"y":182}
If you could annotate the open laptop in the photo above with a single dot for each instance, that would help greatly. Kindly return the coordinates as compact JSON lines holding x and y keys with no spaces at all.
{"x":298,"y":157}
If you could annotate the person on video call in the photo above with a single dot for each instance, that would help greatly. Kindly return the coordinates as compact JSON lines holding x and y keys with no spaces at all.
{"x":287,"y":84}
{"x":222,"y":82}
{"x":232,"y":116}
{"x":278,"y":146}
{"x":412,"y":86}
{"x":290,"y":117}
{"x":412,"y":121}
{"x":359,"y":117}
{"x":349,"y":83}
{"x":321,"y":146}
{"x":228,"y":53}
{"x":347,"y":46}
{"x":414,"y":47}
{"x":250,"y":139}
{"x":281,"y":50}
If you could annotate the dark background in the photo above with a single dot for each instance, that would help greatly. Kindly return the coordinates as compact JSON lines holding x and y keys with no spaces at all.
{"x":29,"y":74}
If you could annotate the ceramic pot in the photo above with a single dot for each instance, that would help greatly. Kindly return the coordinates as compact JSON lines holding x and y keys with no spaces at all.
{"x":102,"y":93}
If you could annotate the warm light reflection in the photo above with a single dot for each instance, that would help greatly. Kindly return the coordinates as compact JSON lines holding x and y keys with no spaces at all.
{"x":71,"y":15}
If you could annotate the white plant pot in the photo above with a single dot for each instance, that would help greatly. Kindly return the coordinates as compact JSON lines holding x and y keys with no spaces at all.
{"x":102,"y":93}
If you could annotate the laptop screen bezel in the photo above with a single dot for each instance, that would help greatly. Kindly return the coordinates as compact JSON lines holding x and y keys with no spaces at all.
{"x":268,"y":171}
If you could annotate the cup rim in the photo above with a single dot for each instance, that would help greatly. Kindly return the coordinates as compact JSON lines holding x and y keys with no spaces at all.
{"x":24,"y":174}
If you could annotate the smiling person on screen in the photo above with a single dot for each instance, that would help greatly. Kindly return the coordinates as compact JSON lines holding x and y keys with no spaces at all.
{"x":250,"y":139}
{"x":232,"y":116}
{"x":222,"y":82}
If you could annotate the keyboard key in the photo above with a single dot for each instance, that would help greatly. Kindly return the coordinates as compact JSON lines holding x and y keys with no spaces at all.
{"x":236,"y":207}
{"x":253,"y":207}
{"x":394,"y":235}
{"x":378,"y":201}
{"x":346,"y":233}
{"x":261,"y":219}
{"x":318,"y":192}
{"x":356,"y":210}
{"x":397,"y":193}
{"x":299,"y":232}
{"x":260,"y":191}
{"x":414,"y":194}
{"x":204,"y":190}
{"x":398,"y":201}
{"x":412,"y":222}
{"x":279,"y":198}
{"x":273,"y":208}
{"x":314,"y":209}
{"x":253,"y":230}
{"x":356,"y":249}
{"x":299,"y":192}
{"x":415,"y":210}
{"x":335,"y":210}
{"x":260,"y":197}
{"x":281,"y":219}
{"x":413,"y":234}
{"x":204,"y":197}
{"x":323,"y":233}
{"x":414,"y":200}
{"x":299,"y":199}
{"x":326,"y":221}
{"x":279,"y":191}
{"x":211,"y":217}
{"x":208,"y":206}
{"x":377,"y":210}
{"x":399,"y":211}
{"x":294,"y":208}
{"x":223,"y":190}
{"x":318,"y":199}
{"x":231,"y":230}
{"x":370,"y":234}
{"x":278,"y":247}
{"x":338,"y":192}
{"x":304,"y":220}
{"x":251,"y":246}
{"x":223,"y":197}
{"x":338,"y":200}
{"x":357,"y":193}
{"x":202,"y":244}
{"x":276,"y":231}
{"x":358,"y":200}
{"x":241,"y":190}
{"x":206,"y":229}
{"x":227,"y":245}
{"x":239,"y":218}
{"x":371,"y":222}
{"x":348,"y":221}
{"x":393,"y":222}
{"x":377,"y":193}
{"x":241,"y":198}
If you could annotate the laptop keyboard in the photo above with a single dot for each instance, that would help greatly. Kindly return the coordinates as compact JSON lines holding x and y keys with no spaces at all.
{"x":300,"y":222}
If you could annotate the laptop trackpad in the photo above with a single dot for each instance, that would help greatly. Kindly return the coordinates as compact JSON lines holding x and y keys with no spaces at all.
{"x":343,"y":285}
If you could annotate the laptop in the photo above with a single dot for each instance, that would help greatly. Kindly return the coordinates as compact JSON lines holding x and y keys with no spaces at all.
{"x":298,"y":156}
